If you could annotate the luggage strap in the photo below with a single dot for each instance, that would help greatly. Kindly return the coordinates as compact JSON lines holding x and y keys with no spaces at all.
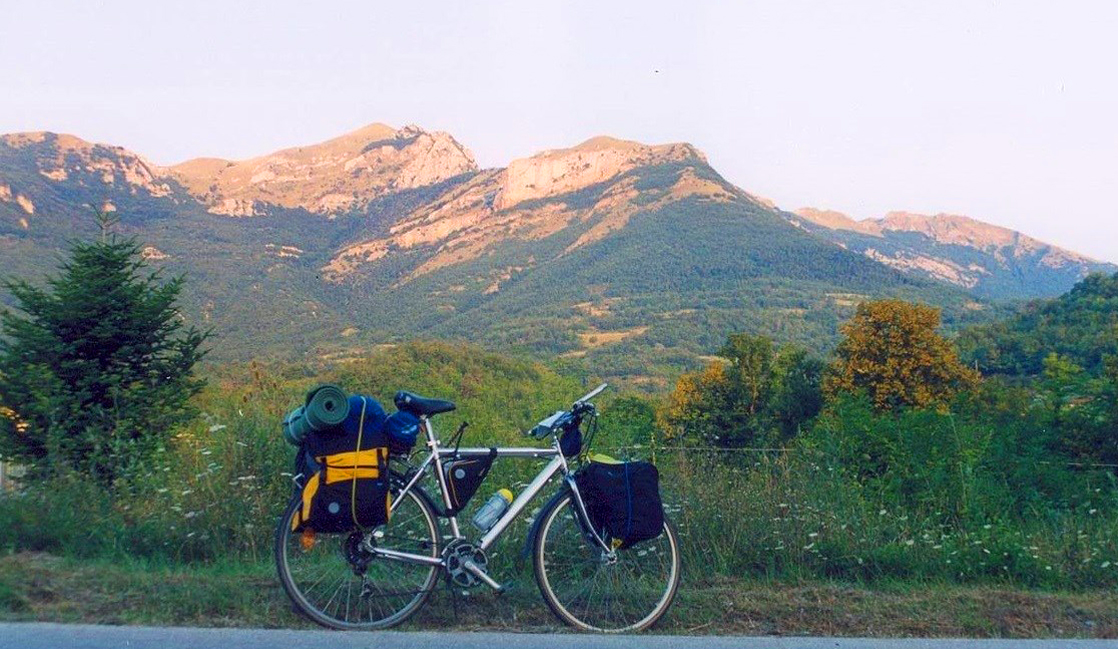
{"x":352,"y":465}
{"x":357,"y":463}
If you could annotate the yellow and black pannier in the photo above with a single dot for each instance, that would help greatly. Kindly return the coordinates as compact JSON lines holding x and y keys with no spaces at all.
{"x":346,"y":473}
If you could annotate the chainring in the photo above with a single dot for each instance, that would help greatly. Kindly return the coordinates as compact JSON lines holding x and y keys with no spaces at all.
{"x":456,"y":555}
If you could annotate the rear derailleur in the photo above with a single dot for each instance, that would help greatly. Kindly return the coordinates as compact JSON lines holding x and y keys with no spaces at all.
{"x":358,"y":552}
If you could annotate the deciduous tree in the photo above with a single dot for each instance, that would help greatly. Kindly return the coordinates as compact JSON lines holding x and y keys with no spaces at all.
{"x":892,"y":350}
{"x":758,"y":395}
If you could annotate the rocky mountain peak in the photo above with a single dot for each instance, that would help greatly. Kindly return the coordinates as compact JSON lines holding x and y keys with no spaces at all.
{"x":956,"y":229}
{"x":596,"y":160}
{"x":1005,"y":253}
{"x":58,"y":156}
{"x":949,"y":229}
{"x":833,"y":219}
{"x":534,"y":198}
{"x":339,"y":174}
{"x":962,"y":230}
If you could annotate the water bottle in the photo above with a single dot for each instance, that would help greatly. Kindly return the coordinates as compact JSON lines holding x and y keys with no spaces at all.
{"x":492,"y":510}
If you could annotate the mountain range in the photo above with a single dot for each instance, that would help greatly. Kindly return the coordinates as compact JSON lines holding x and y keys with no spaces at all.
{"x":616,"y":256}
{"x":990,"y":260}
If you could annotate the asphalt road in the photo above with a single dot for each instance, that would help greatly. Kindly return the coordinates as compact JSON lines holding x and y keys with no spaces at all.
{"x":67,"y":636}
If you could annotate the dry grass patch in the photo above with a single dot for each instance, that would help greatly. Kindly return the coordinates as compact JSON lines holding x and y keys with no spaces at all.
{"x":35,"y":586}
{"x":593,"y":339}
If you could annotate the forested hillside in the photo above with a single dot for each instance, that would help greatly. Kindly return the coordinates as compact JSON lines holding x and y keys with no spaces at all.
{"x":1081,"y":326}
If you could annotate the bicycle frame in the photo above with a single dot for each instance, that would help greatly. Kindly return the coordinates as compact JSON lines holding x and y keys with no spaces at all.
{"x":437,"y":453}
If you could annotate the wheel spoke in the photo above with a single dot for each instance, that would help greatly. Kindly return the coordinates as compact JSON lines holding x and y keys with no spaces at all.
{"x":587,"y":588}
{"x":337,"y":583}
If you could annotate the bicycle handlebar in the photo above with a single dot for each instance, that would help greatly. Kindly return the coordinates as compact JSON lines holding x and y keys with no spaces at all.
{"x":562,"y":418}
{"x":593,"y":393}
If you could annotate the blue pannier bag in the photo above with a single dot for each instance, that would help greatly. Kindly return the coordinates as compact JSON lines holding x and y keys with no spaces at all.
{"x":402,"y":428}
{"x":623,"y":500}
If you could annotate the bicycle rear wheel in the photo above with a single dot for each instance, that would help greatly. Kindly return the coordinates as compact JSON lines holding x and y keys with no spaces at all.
{"x":335,"y":582}
{"x":588,"y":589}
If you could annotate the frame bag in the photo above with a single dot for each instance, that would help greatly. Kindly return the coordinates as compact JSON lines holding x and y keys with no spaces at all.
{"x":348,"y":486}
{"x":623,"y":499}
{"x":464,"y":476}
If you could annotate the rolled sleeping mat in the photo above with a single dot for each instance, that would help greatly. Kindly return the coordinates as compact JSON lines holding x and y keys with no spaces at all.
{"x":295,"y":427}
{"x":327,"y":406}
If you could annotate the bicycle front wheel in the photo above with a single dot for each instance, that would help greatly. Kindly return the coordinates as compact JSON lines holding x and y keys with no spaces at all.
{"x":336,"y":582}
{"x":590,"y":590}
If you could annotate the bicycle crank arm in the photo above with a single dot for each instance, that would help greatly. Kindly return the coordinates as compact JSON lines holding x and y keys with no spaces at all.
{"x":478,"y":572}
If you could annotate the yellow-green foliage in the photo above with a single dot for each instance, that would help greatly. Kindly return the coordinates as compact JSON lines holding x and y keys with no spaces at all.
{"x":891,"y":349}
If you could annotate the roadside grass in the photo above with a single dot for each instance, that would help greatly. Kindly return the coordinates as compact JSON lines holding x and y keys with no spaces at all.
{"x":213,"y":494}
{"x":773,"y":543}
{"x":43,"y":587}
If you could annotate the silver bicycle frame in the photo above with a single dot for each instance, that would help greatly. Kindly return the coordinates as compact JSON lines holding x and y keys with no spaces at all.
{"x":435,"y":457}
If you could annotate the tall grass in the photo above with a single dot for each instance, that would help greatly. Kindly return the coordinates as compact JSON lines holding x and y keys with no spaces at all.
{"x":794,"y":517}
{"x":216,"y":491}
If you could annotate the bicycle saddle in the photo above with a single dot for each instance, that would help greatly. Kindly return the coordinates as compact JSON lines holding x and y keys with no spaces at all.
{"x":418,"y":405}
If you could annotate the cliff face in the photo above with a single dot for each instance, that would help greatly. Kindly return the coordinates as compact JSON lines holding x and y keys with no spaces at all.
{"x":560,"y":171}
{"x":537,"y":197}
{"x":341,"y":174}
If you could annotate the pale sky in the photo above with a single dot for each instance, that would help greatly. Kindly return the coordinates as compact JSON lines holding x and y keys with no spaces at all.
{"x":1005,"y":111}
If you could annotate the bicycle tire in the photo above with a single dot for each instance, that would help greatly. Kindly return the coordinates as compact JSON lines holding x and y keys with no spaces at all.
{"x":298,"y":591}
{"x":561,"y":604}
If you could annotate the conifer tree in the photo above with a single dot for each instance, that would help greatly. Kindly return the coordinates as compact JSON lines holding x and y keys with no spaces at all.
{"x":97,"y":370}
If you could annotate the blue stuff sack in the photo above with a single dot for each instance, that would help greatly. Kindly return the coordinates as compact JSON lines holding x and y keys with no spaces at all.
{"x":402,"y":428}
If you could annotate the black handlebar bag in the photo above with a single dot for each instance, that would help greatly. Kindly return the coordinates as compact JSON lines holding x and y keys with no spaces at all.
{"x":623,"y":500}
{"x":349,"y":488}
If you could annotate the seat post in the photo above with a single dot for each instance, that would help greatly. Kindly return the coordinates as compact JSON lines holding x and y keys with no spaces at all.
{"x":433,"y":444}
{"x":429,"y":430}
